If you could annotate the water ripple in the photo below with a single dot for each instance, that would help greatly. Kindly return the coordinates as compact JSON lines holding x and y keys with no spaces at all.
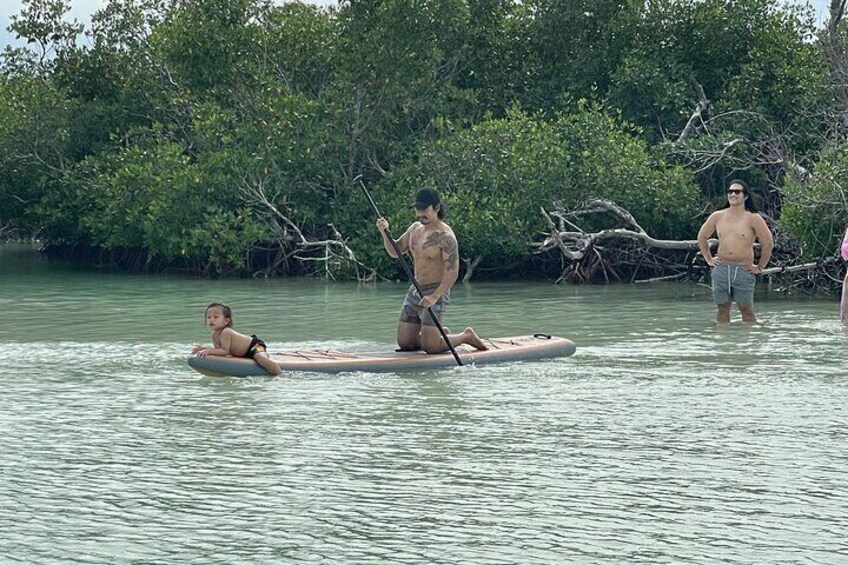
{"x":663,"y":440}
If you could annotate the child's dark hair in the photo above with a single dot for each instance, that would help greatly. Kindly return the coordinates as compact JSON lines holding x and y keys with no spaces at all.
{"x":225,"y":310}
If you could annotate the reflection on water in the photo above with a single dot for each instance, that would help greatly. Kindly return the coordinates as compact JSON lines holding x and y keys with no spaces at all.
{"x":663,"y":440}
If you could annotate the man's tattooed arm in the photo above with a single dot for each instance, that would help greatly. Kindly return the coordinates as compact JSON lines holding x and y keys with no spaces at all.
{"x":450,"y":252}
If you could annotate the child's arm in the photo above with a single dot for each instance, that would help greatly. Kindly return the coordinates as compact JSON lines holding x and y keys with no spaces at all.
{"x":215,"y":351}
{"x":220,"y":345}
{"x":203,"y":351}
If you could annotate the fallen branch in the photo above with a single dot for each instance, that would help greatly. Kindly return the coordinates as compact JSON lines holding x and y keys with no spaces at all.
{"x":575,"y":244}
{"x":630,"y":253}
{"x":790,"y":269}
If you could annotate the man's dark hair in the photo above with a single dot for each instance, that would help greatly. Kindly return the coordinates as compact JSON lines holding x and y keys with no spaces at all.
{"x":750,"y":201}
{"x":428,"y":196}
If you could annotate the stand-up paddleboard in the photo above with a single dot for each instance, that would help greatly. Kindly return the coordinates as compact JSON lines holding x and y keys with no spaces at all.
{"x":521,"y":348}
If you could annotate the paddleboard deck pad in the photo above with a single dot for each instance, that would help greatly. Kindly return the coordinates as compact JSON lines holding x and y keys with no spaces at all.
{"x":501,"y":350}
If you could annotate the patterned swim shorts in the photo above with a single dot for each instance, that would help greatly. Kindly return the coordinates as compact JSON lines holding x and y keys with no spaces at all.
{"x":256,"y":346}
{"x":412,"y":313}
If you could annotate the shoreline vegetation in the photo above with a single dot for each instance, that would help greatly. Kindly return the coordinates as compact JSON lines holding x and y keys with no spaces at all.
{"x":223,"y":138}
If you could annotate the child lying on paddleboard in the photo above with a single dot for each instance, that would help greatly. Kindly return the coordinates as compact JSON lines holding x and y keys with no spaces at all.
{"x":226,"y":342}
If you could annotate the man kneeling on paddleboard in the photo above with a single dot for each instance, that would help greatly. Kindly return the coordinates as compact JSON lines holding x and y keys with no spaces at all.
{"x":435,"y":255}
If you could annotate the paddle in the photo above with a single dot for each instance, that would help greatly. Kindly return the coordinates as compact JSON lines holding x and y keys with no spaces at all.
{"x":411,"y":276}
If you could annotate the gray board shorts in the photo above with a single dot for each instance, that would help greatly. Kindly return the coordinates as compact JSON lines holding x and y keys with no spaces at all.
{"x":732,"y":283}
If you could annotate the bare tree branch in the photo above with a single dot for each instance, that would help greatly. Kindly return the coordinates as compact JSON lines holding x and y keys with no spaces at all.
{"x":575,"y":244}
{"x":631,"y":251}
{"x":697,"y":115}
{"x":333,"y":251}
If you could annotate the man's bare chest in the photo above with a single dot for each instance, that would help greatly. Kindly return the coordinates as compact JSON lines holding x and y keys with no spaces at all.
{"x":427,"y":244}
{"x":735,"y":229}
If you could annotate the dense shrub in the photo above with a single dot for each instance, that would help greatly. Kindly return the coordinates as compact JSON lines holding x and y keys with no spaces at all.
{"x":495,"y":177}
{"x":815,"y":212}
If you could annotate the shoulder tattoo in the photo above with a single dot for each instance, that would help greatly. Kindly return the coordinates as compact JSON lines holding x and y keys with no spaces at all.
{"x":447,"y":243}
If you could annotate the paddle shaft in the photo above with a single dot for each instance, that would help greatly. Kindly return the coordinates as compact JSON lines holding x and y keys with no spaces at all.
{"x":409,"y":273}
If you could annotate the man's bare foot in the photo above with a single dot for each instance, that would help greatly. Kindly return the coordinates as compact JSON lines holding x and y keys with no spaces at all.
{"x":474,"y":340}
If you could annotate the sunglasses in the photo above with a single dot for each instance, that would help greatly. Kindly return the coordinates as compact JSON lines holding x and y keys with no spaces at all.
{"x":735,"y":191}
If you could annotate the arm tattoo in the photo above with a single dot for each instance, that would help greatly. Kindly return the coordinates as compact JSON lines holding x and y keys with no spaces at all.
{"x":451,"y":252}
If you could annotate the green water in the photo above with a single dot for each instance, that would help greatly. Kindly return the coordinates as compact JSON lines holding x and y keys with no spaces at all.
{"x":662,"y":440}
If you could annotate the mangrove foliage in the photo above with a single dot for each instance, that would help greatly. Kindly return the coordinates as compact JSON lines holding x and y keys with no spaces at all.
{"x":226,"y":137}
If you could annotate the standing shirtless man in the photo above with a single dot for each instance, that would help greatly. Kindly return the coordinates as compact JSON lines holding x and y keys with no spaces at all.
{"x":733,"y":270}
{"x":436,"y":262}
